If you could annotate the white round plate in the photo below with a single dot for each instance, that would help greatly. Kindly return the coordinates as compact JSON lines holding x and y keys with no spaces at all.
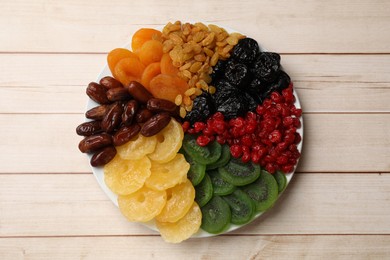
{"x":99,"y":174}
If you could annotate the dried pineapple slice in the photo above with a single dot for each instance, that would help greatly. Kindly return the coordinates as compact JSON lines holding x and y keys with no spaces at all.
{"x":169,"y":141}
{"x":179,"y":201}
{"x":143,"y":205}
{"x":124,"y":177}
{"x":137,"y":147}
{"x":167,"y":175}
{"x":183,"y":228}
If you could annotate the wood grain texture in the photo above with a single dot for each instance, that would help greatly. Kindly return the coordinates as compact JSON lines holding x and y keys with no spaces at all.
{"x":224,"y":247}
{"x":95,"y":26}
{"x":74,"y":205}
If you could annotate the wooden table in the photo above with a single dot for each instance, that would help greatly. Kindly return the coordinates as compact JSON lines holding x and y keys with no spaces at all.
{"x":338,"y":203}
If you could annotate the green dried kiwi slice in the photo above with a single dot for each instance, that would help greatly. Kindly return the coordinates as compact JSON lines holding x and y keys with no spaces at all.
{"x":202,"y":154}
{"x":281,"y":180}
{"x":197,"y":170}
{"x":263,"y":192}
{"x":220,"y":186}
{"x":216,"y":216}
{"x":238,"y":173}
{"x":204,"y":191}
{"x":241,"y":207}
{"x":224,"y":159}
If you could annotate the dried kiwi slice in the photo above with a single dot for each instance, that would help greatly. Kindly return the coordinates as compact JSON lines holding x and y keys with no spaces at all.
{"x":281,"y":180}
{"x":238,"y":173}
{"x":224,"y":159}
{"x":204,"y":191}
{"x":220,"y":186}
{"x":241,"y":206}
{"x":197,"y":170}
{"x":202,"y":154}
{"x":216,"y":216}
{"x":263,"y":192}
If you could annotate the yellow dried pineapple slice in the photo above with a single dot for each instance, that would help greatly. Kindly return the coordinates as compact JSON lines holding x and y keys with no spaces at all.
{"x":169,"y":141}
{"x":137,"y":147}
{"x":179,"y":201}
{"x":167,"y":175}
{"x":124,"y":177}
{"x":183,"y":228}
{"x":142,"y":205}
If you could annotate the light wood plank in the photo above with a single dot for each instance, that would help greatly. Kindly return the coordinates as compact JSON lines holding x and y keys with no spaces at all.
{"x":47,"y":143}
{"x":69,"y":205}
{"x":325,"y":83}
{"x":310,"y":26}
{"x":258,"y":247}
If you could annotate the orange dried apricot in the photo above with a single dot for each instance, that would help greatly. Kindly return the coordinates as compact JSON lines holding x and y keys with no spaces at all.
{"x":167,"y":87}
{"x":167,"y":65}
{"x":151,"y":51}
{"x":151,"y":71}
{"x":143,"y":35}
{"x":129,"y":69}
{"x":116,"y":55}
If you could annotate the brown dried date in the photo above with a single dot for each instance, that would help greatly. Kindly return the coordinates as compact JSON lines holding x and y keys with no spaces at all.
{"x":109,"y":82}
{"x":139,"y":92}
{"x":95,"y":142}
{"x":113,"y":118}
{"x":103,"y":156}
{"x":129,"y":111}
{"x":97,"y":93}
{"x":118,"y":94}
{"x":160,"y":105}
{"x":98,"y":112}
{"x":89,"y":128}
{"x":155,"y":124}
{"x":143,"y":115}
{"x":125,"y":133}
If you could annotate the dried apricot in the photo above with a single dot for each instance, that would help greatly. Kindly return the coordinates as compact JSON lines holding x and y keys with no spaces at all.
{"x":116,"y":55}
{"x":167,"y":65}
{"x":143,"y":205}
{"x":167,"y":87}
{"x":167,"y":175}
{"x":137,"y":147}
{"x":151,"y":51}
{"x":179,"y":200}
{"x":143,"y":35}
{"x":126,"y":176}
{"x":128,"y":69}
{"x":151,"y":71}
{"x":169,"y":141}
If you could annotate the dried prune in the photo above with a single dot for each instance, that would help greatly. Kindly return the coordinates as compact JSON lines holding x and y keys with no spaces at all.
{"x":224,"y":91}
{"x":267,"y":66}
{"x":246,"y":50}
{"x":218,"y":70}
{"x":237,"y":74}
{"x":233,"y":107}
{"x":203,"y":107}
{"x":280,"y":83}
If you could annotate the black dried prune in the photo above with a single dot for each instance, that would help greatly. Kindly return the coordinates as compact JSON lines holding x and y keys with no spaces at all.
{"x":237,"y":73}
{"x":267,"y":66}
{"x":233,"y":107}
{"x":282,"y":82}
{"x":224,"y":91}
{"x":246,"y":50}
{"x":203,"y":107}
{"x":218,"y":70}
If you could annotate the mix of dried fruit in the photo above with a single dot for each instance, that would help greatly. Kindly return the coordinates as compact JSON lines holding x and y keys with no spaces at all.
{"x":196,"y":128}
